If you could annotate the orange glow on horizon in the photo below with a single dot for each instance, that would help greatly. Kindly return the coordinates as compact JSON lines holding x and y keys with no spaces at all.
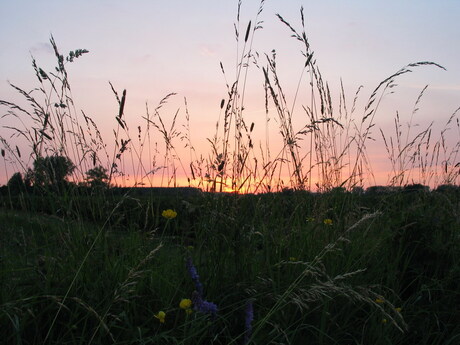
{"x":383,"y":177}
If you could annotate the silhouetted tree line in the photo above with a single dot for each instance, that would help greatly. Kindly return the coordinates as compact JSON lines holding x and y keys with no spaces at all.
{"x":50,"y":174}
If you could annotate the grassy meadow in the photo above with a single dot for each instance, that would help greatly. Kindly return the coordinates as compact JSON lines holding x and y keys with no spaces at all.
{"x":301,"y":251}
{"x":331,"y":268}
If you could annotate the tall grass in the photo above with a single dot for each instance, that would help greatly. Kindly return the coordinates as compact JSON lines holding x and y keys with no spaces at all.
{"x":382,"y":270}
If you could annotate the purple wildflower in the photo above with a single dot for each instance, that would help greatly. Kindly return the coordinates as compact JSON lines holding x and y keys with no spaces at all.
{"x":199,"y":304}
{"x":194,"y":275}
{"x":249,"y":317}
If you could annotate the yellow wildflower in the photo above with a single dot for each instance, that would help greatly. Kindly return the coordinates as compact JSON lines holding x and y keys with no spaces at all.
{"x":169,"y":214}
{"x":379,"y":300}
{"x":310,"y":219}
{"x":384,"y":321}
{"x":161,"y":316}
{"x":398,"y":310}
{"x":327,"y":221}
{"x":185,"y":303}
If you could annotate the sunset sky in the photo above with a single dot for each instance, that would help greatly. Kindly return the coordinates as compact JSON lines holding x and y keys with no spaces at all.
{"x":152,"y":48}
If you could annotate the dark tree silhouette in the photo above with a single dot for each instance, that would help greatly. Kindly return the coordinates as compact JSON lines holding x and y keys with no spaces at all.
{"x":52,"y":171}
{"x":97,"y":177}
{"x":16,"y":183}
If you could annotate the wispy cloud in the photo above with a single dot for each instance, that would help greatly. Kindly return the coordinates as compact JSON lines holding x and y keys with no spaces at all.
{"x":146,"y":58}
{"x":208,"y":50}
{"x":42,"y":48}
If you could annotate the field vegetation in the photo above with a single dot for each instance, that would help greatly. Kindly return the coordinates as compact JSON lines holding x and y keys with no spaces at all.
{"x":300,"y":250}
